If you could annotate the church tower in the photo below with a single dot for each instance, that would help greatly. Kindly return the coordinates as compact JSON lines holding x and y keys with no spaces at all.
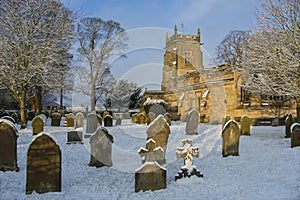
{"x":183,"y":54}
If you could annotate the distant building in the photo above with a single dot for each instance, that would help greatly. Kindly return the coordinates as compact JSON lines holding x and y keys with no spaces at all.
{"x":215,"y":92}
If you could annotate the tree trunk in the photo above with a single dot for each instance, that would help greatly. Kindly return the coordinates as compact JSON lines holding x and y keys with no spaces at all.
{"x":22,"y":110}
{"x":298,"y":110}
{"x":61,"y":98}
{"x":39,"y":90}
{"x":93,"y":96}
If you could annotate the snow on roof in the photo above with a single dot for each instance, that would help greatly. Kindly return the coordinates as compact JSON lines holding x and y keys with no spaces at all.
{"x":150,"y":101}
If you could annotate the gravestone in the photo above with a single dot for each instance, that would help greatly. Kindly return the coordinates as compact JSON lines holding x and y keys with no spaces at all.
{"x":151,"y":175}
{"x":75,"y":136}
{"x":43,"y":165}
{"x":79,"y":119}
{"x":55,"y":119}
{"x":118,"y":121}
{"x":70,"y":120}
{"x":187,"y":152}
{"x":9,"y":118}
{"x":105,"y":113}
{"x":167,"y":116}
{"x":227,"y":118}
{"x":8,"y":146}
{"x":91,"y":123}
{"x":142,"y":118}
{"x":44,"y":117}
{"x":230,"y":139}
{"x":159,"y":131}
{"x":101,"y":148}
{"x":134,"y":118}
{"x":108,"y":120}
{"x":150,"y":117}
{"x":99,"y":118}
{"x":289,"y":120}
{"x":245,"y":125}
{"x":295,"y":135}
{"x":37,"y":125}
{"x":157,"y":109}
{"x":192,"y":122}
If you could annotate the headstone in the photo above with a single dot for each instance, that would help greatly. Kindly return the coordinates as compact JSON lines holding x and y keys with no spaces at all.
{"x":159,"y":131}
{"x":187,"y":152}
{"x":295,"y":135}
{"x":245,"y":125}
{"x":101,"y":148}
{"x":192,"y":122}
{"x":43,"y":165}
{"x":157,"y":109}
{"x":105,"y":113}
{"x":91,"y":123}
{"x":118,"y":121}
{"x":151,"y":175}
{"x":37,"y":125}
{"x":70,"y":120}
{"x":99,"y":118}
{"x":9,"y":118}
{"x":227,"y":118}
{"x":150,"y":117}
{"x":75,"y":136}
{"x":55,"y":119}
{"x":289,"y":120}
{"x":8,"y":146}
{"x":108,"y":120}
{"x":44,"y":117}
{"x":230,"y":139}
{"x":142,"y":118}
{"x":167,"y":116}
{"x":134,"y":118}
{"x":79,"y":119}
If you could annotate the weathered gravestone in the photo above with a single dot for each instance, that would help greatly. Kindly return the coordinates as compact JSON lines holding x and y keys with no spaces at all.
{"x":43,"y":165}
{"x":245,"y":125}
{"x":91,"y":123}
{"x":105,"y":113}
{"x":55,"y":119}
{"x":75,"y":136}
{"x":134,"y":118}
{"x":295,"y":135}
{"x":289,"y":120}
{"x":157,"y":109}
{"x":159,"y":131}
{"x":101,"y":148}
{"x":8,"y":146}
{"x":79,"y":119}
{"x":142,"y":118}
{"x":230,"y":139}
{"x":151,"y":175}
{"x":37,"y":125}
{"x":118,"y":121}
{"x":192,"y":122}
{"x":70,"y":120}
{"x":99,"y":118}
{"x":167,"y":116}
{"x":187,"y":152}
{"x":9,"y":118}
{"x":108,"y":120}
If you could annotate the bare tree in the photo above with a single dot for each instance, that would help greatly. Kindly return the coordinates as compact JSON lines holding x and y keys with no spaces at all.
{"x":99,"y":42}
{"x":31,"y":34}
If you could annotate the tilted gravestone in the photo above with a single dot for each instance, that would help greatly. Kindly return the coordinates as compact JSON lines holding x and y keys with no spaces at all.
{"x":55,"y":119}
{"x":37,"y":125}
{"x":8,"y":146}
{"x":289,"y":120}
{"x":295,"y":135}
{"x":245,"y":125}
{"x":142,"y":118}
{"x":101,"y":148}
{"x":70,"y":120}
{"x":108,"y":120}
{"x":75,"y":136}
{"x":91,"y":123}
{"x":230,"y":139}
{"x":187,"y":152}
{"x":43,"y":165}
{"x":159,"y":131}
{"x":118,"y":121}
{"x":192,"y":122}
{"x":151,"y":175}
{"x":79,"y":120}
{"x":99,"y":118}
{"x":134,"y":118}
{"x":167,"y":116}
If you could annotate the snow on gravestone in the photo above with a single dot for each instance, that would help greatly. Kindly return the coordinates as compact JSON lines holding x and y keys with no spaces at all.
{"x":9,"y":118}
{"x":43,"y":165}
{"x":289,"y":120}
{"x":159,"y":131}
{"x":295,"y":135}
{"x":79,"y":118}
{"x":192,"y":122}
{"x":91,"y":122}
{"x":108,"y":120}
{"x":245,"y":125}
{"x":37,"y":125}
{"x":8,"y":146}
{"x":150,"y":176}
{"x":167,"y":116}
{"x":101,"y":148}
{"x":230,"y":139}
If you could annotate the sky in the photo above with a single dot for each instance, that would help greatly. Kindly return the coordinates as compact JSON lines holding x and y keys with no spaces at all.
{"x":148,"y":21}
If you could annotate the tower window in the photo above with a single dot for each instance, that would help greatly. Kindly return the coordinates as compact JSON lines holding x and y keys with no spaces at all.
{"x":188,"y":56}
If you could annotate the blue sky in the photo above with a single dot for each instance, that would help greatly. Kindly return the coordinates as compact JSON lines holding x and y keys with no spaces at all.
{"x":216,"y":18}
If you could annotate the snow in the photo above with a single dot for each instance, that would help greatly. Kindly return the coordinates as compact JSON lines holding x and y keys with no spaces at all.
{"x":266,"y":168}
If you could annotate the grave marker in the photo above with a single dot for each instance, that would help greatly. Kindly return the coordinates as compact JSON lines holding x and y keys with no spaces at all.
{"x":295,"y":135}
{"x":37,"y":125}
{"x":75,"y":136}
{"x":91,"y":123}
{"x":245,"y":125}
{"x":79,"y":119}
{"x":192,"y":122}
{"x":230,"y":139}
{"x":55,"y":119}
{"x":289,"y":120}
{"x":108,"y":120}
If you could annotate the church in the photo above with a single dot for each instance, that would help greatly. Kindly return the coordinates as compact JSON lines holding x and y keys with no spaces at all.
{"x":215,"y":92}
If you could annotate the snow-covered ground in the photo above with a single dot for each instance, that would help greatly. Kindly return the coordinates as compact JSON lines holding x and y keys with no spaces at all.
{"x":267,"y":167}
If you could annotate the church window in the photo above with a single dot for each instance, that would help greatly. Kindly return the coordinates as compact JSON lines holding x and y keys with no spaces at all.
{"x":188,"y":57}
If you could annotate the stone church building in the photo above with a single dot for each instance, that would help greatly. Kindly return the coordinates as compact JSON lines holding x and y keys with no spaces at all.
{"x":215,"y":92}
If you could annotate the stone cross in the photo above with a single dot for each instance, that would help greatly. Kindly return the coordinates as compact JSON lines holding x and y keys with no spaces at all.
{"x":150,"y":153}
